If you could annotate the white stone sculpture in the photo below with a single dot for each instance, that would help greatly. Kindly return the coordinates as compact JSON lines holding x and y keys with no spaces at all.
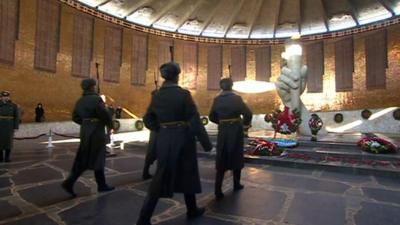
{"x":292,"y":82}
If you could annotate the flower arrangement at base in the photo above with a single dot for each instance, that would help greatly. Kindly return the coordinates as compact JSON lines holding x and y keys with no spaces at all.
{"x":261,"y":147}
{"x":376,"y":145}
{"x":286,"y":122}
{"x":315,"y":123}
{"x":283,"y":142}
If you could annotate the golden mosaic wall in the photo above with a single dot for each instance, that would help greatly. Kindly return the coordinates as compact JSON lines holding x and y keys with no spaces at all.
{"x":58,"y":92}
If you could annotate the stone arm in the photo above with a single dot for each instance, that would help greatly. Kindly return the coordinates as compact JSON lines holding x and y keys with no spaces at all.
{"x":195,"y":124}
{"x":286,"y":84}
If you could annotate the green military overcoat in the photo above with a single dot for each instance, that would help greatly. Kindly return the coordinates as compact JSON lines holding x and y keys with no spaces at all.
{"x":177,"y":168}
{"x":93,"y":117}
{"x":230,"y":106}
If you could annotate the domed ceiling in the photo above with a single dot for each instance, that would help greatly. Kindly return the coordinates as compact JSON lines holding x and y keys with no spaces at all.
{"x":249,"y":19}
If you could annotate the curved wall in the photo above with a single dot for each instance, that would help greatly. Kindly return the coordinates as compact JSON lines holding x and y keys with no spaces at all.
{"x":59,"y":91}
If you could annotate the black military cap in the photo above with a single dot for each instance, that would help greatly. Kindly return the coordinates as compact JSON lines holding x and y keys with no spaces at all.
{"x":88,"y":83}
{"x":5,"y":94}
{"x":226,"y":84}
{"x":170,"y":71}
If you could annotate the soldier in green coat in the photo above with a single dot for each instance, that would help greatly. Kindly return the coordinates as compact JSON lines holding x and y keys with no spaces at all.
{"x":173,"y":114}
{"x":233,"y":117}
{"x":91,"y":114}
{"x":9,"y":121}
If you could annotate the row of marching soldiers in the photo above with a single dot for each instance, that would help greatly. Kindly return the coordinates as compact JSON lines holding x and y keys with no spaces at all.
{"x":175,"y":125}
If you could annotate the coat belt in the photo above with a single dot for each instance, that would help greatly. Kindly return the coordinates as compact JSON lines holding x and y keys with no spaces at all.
{"x":231,"y":120}
{"x":173,"y":124}
{"x":93,"y":120}
{"x":6,"y":117}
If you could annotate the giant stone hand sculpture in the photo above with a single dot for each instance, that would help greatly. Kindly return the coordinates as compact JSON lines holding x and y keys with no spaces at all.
{"x":290,"y":87}
{"x":292,"y":82}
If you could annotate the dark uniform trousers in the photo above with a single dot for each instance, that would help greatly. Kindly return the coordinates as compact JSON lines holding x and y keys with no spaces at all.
{"x":150,"y":154}
{"x":9,"y":120}
{"x":76,"y":172}
{"x":219,"y":178}
{"x":150,"y":203}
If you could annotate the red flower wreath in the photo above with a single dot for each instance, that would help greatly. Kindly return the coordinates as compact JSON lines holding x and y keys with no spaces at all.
{"x":376,"y":145}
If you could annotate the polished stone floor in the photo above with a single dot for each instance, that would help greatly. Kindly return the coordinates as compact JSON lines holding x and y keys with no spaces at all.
{"x":30,"y":193}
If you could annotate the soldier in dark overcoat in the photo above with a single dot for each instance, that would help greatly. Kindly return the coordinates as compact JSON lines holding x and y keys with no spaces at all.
{"x":9,"y":122}
{"x":93,"y":117}
{"x":233,"y":118}
{"x":174,"y":115}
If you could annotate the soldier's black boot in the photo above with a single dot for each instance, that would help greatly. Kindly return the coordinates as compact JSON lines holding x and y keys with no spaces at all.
{"x":192,"y":210}
{"x":101,"y":181}
{"x":7,"y":156}
{"x":147,"y":210}
{"x":68,"y":186}
{"x":219,"y":178}
{"x":236,"y":180}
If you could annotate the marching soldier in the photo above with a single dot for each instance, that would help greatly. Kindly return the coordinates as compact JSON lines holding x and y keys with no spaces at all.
{"x":174,"y":115}
{"x":9,"y":121}
{"x":91,"y":114}
{"x":226,"y":111}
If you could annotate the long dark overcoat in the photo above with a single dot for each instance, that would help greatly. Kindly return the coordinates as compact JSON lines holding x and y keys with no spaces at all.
{"x":151,"y":153}
{"x":9,"y":120}
{"x":230,"y":106}
{"x":90,"y":112}
{"x":177,"y":168}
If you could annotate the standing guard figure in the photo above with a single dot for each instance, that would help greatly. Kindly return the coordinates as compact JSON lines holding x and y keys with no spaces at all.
{"x":9,"y":121}
{"x":226,"y":111}
{"x":92,"y":115}
{"x":174,"y":115}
